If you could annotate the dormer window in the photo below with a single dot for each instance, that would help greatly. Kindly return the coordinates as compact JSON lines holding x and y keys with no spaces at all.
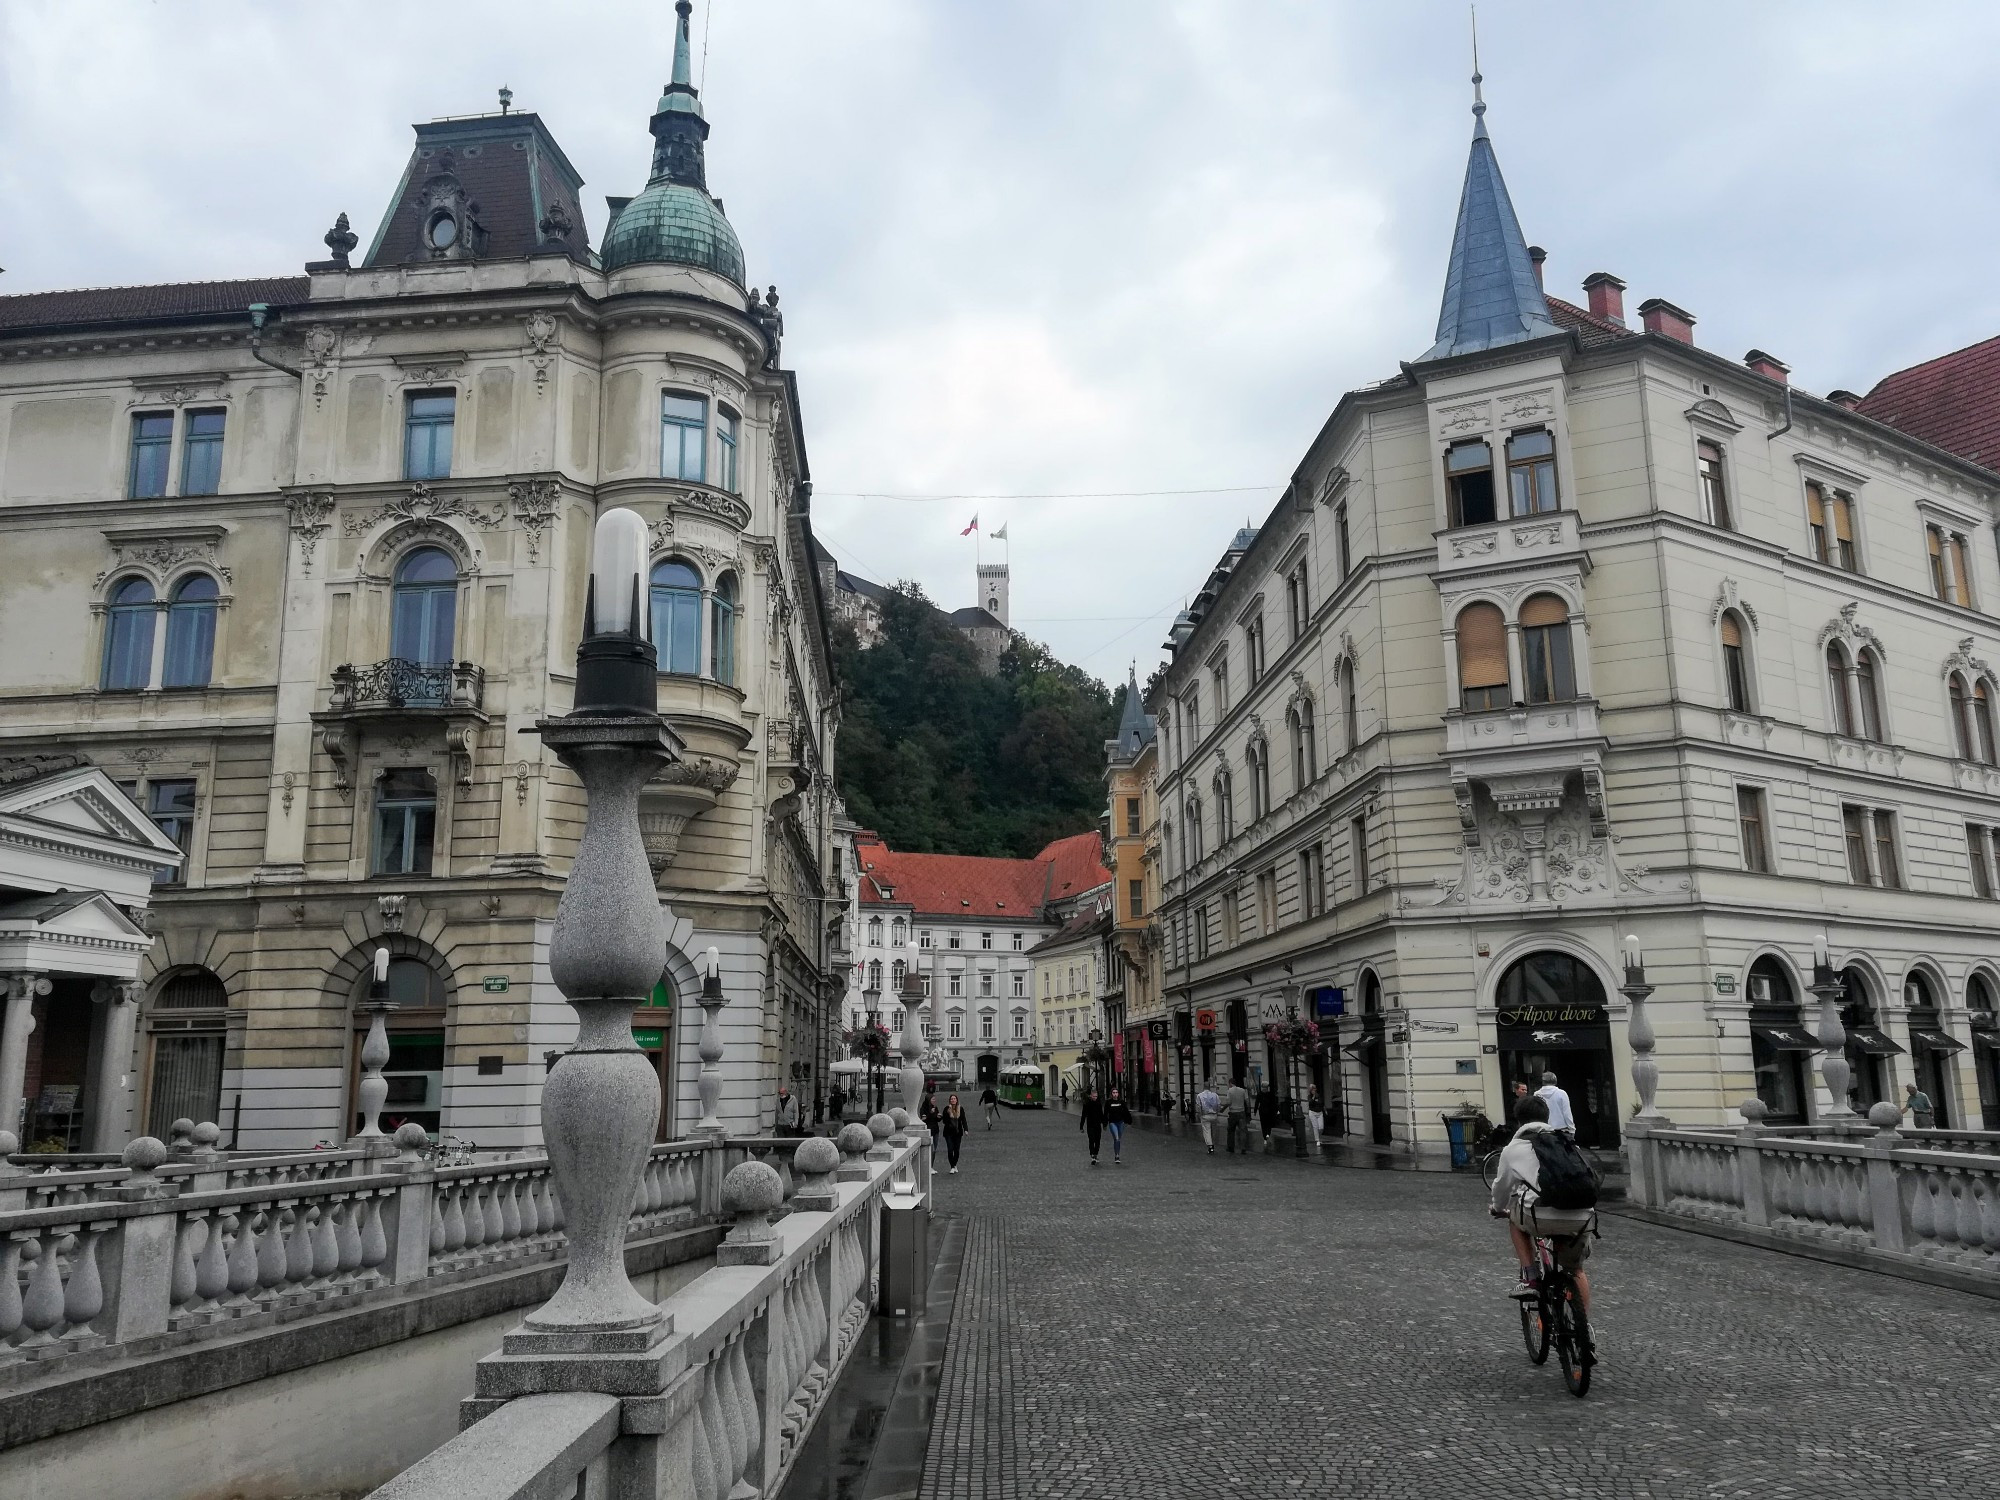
{"x":1468,"y":475}
{"x":1531,"y":472}
{"x":441,"y":233}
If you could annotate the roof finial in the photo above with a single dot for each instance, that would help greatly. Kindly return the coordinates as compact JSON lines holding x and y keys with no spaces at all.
{"x":682,"y":72}
{"x":1478,"y":99}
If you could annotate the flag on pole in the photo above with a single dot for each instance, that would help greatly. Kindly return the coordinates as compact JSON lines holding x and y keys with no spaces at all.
{"x":972,"y":525}
{"x":1000,"y":535}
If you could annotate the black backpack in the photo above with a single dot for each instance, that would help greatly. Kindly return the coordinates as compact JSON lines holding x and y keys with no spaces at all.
{"x":1566,"y":1178}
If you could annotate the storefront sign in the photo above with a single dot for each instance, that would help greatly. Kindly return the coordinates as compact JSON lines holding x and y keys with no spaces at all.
{"x":1552,"y":1015}
{"x":1329,"y":1000}
{"x":1204,"y":1020}
{"x":495,"y":984}
{"x":646,"y":1038}
{"x":1157,"y":1030}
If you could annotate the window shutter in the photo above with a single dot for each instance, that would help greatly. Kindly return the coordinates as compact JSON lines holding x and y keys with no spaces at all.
{"x":1732,"y":631}
{"x":1544,"y":609}
{"x":1843,"y":518}
{"x":1961,"y":575}
{"x":1815,"y":509}
{"x":1482,"y":647}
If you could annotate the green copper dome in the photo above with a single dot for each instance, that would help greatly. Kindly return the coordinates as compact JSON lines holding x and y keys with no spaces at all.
{"x":672,"y":221}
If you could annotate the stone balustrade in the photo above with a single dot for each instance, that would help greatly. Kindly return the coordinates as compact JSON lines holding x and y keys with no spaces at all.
{"x":1872,"y":1194}
{"x":755,"y":1346}
{"x":159,"y":1250}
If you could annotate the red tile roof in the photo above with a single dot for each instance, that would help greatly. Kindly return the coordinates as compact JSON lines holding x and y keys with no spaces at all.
{"x":968,"y":885}
{"x":1952,"y":402}
{"x":168,"y":302}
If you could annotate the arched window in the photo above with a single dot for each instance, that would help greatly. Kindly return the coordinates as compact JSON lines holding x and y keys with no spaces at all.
{"x":128,"y":638}
{"x":1225,"y":808}
{"x":191,"y":633}
{"x":1979,"y":997}
{"x":1545,"y":646}
{"x":1305,"y":755}
{"x":1353,"y":713}
{"x":1167,"y":844}
{"x":1973,"y":714}
{"x":722,"y":630}
{"x":897,"y":971}
{"x":1735,"y":664}
{"x":187,"y":1061}
{"x":1194,"y":830}
{"x":1837,"y":691}
{"x":677,"y":617}
{"x":1868,"y":694}
{"x":1779,"y":1043}
{"x":1961,"y":715}
{"x":874,"y":932}
{"x":1482,"y":657}
{"x":1257,"y":760}
{"x":899,"y":934}
{"x":424,"y":609}
{"x":874,"y":974}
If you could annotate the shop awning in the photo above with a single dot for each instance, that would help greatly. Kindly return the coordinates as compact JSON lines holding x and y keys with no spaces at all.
{"x":1987,"y":1038}
{"x":1786,"y":1038}
{"x":1360,"y":1048}
{"x":1872,"y":1041}
{"x":1934,"y":1041}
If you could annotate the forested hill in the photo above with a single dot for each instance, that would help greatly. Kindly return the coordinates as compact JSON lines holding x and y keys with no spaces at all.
{"x":939,"y":758}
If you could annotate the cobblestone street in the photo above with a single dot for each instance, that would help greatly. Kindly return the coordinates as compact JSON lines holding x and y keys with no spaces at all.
{"x":1222,"y":1326}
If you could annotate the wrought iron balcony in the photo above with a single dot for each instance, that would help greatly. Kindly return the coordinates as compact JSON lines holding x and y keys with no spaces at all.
{"x":399,"y":684}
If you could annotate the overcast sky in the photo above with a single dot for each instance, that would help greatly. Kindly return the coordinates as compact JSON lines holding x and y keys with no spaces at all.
{"x":1077,"y":248}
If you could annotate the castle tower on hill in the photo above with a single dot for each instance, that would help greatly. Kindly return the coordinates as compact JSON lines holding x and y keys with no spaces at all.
{"x":992,"y":593}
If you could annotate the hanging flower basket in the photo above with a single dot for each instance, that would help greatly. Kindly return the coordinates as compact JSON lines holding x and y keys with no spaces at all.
{"x":870,"y":1043}
{"x":1298,"y":1037}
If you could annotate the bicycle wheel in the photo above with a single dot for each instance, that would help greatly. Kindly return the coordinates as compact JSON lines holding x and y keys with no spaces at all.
{"x":1535,"y":1329}
{"x":1572,"y":1340}
{"x":1489,"y":1166}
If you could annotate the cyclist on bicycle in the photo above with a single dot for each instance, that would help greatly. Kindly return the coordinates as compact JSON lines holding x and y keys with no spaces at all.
{"x":1520,"y":1173}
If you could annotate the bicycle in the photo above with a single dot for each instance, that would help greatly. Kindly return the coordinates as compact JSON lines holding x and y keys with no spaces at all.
{"x":1554,"y":1314}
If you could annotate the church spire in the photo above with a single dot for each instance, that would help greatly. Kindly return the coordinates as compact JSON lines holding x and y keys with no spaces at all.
{"x":1491,"y":296}
{"x":679,"y":131}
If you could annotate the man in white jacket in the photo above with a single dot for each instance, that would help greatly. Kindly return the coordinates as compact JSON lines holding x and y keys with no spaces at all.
{"x":1520,"y":1172}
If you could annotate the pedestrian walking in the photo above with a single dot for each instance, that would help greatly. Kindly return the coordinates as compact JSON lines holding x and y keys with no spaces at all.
{"x":1561,"y":1116}
{"x":1116,"y":1117}
{"x":1514,"y":1120}
{"x":836,"y":1106}
{"x":788,"y":1112}
{"x":1090,"y":1120}
{"x":1315,"y":1115}
{"x":1236,"y":1105}
{"x":1065,"y":1093}
{"x":1267,"y":1111}
{"x":929,"y":1112}
{"x":1207,"y":1105}
{"x":1918,"y":1107}
{"x":990,"y":1102}
{"x":952,"y":1125}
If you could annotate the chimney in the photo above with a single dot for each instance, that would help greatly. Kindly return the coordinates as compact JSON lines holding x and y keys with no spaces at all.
{"x":1768,"y":365}
{"x":1660,"y":316}
{"x":1844,"y":398}
{"x":1537,"y":254}
{"x":1607,"y":297}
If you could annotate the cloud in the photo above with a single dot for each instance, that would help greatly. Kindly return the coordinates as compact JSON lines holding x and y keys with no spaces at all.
{"x":1030,"y":246}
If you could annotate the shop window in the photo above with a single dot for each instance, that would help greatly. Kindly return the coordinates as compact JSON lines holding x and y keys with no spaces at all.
{"x":1780,"y":1045}
{"x":1482,"y":658}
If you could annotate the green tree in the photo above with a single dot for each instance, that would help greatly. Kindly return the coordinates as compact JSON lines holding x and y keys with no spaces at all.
{"x":940,"y":757}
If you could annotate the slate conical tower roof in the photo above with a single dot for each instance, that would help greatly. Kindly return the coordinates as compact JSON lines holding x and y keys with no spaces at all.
{"x":1135,"y":726}
{"x":1491,"y":297}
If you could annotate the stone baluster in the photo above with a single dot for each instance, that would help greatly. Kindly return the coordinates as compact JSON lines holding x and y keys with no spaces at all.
{"x":1832,"y":1036}
{"x":855,"y":1141}
{"x":708,"y":1083}
{"x":1750,"y":1155}
{"x":13,"y":1179}
{"x":374,"y":1088}
{"x":12,"y":1244}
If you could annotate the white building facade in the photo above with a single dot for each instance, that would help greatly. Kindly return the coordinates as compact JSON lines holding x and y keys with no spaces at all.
{"x":1575,"y":631}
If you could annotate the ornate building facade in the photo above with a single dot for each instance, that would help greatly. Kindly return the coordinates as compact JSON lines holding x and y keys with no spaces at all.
{"x":1573,"y":637}
{"x":300,"y":562}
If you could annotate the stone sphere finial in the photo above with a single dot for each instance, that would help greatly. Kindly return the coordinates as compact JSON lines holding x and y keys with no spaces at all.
{"x":206,"y":1135}
{"x":1753,"y":1110}
{"x":855,"y":1139}
{"x":1885,"y":1117}
{"x":899,"y":1116}
{"x":753,"y":1188}
{"x":881,"y":1127}
{"x":9,"y":1143}
{"x":411,"y":1141}
{"x":143,"y":1155}
{"x":180,"y":1134}
{"x":815,"y":1157}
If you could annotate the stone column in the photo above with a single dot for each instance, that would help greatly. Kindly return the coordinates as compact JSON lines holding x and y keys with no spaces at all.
{"x":111,"y":1090}
{"x":21,"y":991}
{"x":1833,"y":1064}
{"x":912,"y":1074}
{"x":709,"y":1082}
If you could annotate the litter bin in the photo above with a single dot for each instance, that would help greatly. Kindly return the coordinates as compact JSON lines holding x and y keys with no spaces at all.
{"x":1458,"y":1129}
{"x":906,"y":1220}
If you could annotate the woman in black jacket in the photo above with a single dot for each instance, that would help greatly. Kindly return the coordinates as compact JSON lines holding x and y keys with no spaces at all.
{"x":952,"y":1126}
{"x":1117,"y":1115}
{"x":1091,"y":1121}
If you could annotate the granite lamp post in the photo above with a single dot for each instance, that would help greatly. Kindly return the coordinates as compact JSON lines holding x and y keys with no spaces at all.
{"x":374,"y":1088}
{"x":1639,"y":1031}
{"x":1833,"y":1067}
{"x":602,"y":1099}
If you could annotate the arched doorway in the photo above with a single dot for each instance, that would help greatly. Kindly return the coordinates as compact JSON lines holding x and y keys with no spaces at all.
{"x":1239,"y":1041}
{"x":415,"y":1070}
{"x":1932,"y":1049}
{"x":1868,"y":1047}
{"x":1779,"y":1043}
{"x":1979,"y":1000}
{"x":1371,"y":1051}
{"x":1552,"y":1019}
{"x":189,"y":1021}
